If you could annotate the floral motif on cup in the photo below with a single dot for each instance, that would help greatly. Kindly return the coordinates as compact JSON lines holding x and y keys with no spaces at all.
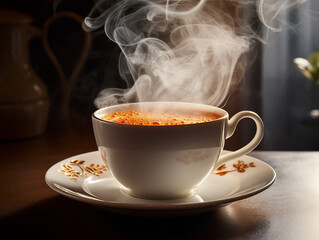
{"x":240,"y":166}
{"x":194,"y":156}
{"x":82,"y":169}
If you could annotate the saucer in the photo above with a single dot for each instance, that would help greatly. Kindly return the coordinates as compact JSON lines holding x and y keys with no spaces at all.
{"x":85,"y":178}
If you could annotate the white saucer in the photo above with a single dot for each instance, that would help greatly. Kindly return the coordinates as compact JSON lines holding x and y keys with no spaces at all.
{"x":88,"y":180}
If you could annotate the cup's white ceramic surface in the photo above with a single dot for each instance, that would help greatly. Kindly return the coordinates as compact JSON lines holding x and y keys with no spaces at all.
{"x":165,"y":162}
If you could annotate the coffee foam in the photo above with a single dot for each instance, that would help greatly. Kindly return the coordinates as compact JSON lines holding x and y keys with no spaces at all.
{"x":153,"y":118}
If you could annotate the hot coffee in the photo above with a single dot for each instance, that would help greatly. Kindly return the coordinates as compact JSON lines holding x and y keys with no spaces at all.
{"x":155,"y":162}
{"x":158,"y":118}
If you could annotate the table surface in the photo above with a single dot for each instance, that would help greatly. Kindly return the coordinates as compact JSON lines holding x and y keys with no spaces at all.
{"x":289,"y":209}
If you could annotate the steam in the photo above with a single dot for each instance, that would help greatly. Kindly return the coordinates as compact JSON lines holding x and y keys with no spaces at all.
{"x":182,"y":50}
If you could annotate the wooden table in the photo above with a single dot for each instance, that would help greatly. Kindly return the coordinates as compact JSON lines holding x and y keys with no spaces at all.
{"x":29,"y":208}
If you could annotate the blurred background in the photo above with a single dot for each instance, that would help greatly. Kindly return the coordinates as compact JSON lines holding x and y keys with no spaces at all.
{"x":74,"y":66}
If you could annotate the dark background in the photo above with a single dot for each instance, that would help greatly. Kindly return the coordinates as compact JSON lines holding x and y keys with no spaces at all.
{"x":66,"y":40}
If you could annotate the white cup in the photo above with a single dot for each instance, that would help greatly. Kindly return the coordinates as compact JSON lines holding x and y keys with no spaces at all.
{"x":166,"y":162}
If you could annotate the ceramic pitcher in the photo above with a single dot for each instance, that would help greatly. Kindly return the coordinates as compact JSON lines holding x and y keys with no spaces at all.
{"x":24,"y":101}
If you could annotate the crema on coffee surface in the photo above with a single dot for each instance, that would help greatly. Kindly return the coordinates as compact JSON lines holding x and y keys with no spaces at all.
{"x":154,"y":118}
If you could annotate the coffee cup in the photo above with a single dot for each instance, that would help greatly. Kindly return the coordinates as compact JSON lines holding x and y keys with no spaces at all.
{"x":170,"y":159}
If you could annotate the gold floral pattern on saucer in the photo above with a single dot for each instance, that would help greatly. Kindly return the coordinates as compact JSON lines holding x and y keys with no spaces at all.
{"x":68,"y":169}
{"x":239,"y":167}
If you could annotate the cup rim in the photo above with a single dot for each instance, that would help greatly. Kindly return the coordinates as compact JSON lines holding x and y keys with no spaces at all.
{"x":225,"y":114}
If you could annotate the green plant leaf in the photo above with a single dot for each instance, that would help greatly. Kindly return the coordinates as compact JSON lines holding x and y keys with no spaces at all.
{"x":313,"y":59}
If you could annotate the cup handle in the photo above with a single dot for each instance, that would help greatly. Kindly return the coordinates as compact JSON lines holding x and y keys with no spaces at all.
{"x":232,"y":124}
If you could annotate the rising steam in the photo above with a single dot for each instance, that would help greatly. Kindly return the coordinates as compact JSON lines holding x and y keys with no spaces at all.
{"x":182,"y":50}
